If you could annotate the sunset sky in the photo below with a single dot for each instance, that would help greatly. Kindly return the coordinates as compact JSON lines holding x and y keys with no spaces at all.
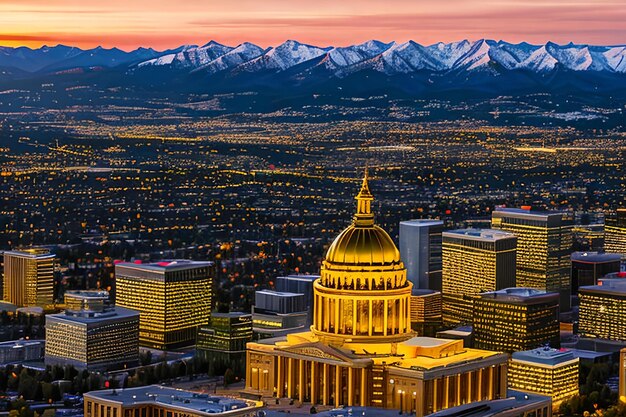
{"x":163,"y":24}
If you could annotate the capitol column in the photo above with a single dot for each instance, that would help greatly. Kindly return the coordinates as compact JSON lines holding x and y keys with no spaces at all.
{"x":385,"y":313}
{"x":370,"y":324}
{"x":280,"y":385}
{"x":289,"y":377}
{"x":313,"y":382}
{"x":325,"y":392}
{"x":355,"y":316}
{"x":338,"y":386}
{"x":301,"y":380}
{"x":363,"y":394}
{"x":350,"y":387}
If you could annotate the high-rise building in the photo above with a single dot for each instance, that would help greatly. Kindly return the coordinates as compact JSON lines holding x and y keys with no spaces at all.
{"x":425,"y":311}
{"x":474,"y":261}
{"x":223,"y":342}
{"x":277,"y":313}
{"x":174,"y":298}
{"x":299,"y":284}
{"x":360,"y":350}
{"x":588,"y":267}
{"x":544,"y":242}
{"x":160,"y":401}
{"x":91,"y":334}
{"x":615,"y":233}
{"x":622,"y":375}
{"x":516,"y":319}
{"x":602,"y":310}
{"x":545,"y":371}
{"x":420,"y":248}
{"x":29,"y":277}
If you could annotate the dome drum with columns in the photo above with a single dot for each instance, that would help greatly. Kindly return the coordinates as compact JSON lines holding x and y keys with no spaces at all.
{"x":362,"y":292}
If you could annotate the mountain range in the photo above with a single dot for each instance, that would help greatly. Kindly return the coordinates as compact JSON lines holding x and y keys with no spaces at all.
{"x":295,"y":63}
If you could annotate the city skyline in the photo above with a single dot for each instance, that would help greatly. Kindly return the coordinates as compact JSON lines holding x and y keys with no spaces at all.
{"x":161,"y":25}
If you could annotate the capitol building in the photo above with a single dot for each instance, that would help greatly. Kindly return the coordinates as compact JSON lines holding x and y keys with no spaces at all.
{"x":360,"y":350}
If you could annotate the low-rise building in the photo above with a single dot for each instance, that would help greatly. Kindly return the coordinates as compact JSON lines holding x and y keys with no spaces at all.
{"x":19,"y":351}
{"x":602,"y":311}
{"x":544,"y":371}
{"x":91,"y":334}
{"x":159,"y":401}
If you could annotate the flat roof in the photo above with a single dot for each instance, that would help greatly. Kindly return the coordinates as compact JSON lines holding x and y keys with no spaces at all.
{"x":491,"y":235}
{"x":596,"y":257}
{"x":519,"y":295}
{"x":613,"y":287}
{"x":165,"y":265}
{"x":524,"y":212}
{"x":304,"y":278}
{"x":545,"y":355}
{"x":284,"y":294}
{"x":181,"y":399}
{"x":514,"y":400}
{"x":114,"y":313}
{"x":35,"y":253}
{"x":422,"y":222}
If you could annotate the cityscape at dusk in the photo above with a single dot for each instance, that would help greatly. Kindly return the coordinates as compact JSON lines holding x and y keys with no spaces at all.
{"x":272,"y":209}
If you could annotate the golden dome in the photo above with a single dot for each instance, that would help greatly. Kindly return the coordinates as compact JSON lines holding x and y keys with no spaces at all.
{"x":363,"y":243}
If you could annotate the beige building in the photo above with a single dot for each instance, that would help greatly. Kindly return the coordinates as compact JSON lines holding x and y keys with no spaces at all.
{"x":29,"y":277}
{"x":361,"y":349}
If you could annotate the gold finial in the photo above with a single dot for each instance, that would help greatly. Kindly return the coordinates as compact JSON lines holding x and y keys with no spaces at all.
{"x":364,"y":216}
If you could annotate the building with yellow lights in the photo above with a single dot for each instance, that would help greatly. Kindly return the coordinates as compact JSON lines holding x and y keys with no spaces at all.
{"x":360,"y":350}
{"x":544,"y":243}
{"x":173,"y":297}
{"x":474,"y":261}
{"x":425,"y":312}
{"x":516,"y":319}
{"x":29,"y":277}
{"x":92,"y":334}
{"x":602,"y":310}
{"x":615,"y":233}
{"x":622,"y":375}
{"x":545,"y":371}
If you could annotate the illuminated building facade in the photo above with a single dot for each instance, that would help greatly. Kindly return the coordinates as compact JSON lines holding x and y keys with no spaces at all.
{"x":588,"y":267}
{"x":91,"y":334}
{"x":474,"y":261}
{"x":545,"y":371}
{"x":516,"y":404}
{"x":516,"y":319}
{"x":174,"y":298}
{"x":160,"y":401}
{"x":425,"y":312}
{"x":622,"y":375}
{"x":277,"y":313}
{"x":360,"y":350}
{"x":615,"y":233}
{"x":222,"y":344}
{"x":602,"y":310}
{"x":420,"y":248}
{"x":29,"y":277}
{"x":299,"y":284}
{"x":544,"y":242}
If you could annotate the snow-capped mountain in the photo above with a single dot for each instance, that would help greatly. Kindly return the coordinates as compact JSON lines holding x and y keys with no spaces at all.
{"x":190,"y":56}
{"x":242,"y":53}
{"x":489,"y":56}
{"x":282,"y":57}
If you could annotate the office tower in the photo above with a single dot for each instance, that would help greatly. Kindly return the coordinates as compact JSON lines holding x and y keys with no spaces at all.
{"x":544,"y":242}
{"x":615,"y":233}
{"x":425,"y":311}
{"x":420,"y":249}
{"x":360,"y":349}
{"x":588,"y":267}
{"x":29,"y":277}
{"x":602,"y":310}
{"x":92,"y":334}
{"x":277,"y":313}
{"x":299,"y":284}
{"x":222,"y":344}
{"x":174,"y":298}
{"x":160,"y":401}
{"x":545,"y":371}
{"x":474,"y":261}
{"x":516,"y":319}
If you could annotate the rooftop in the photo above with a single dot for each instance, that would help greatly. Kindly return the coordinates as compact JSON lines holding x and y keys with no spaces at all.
{"x":520,"y":295}
{"x":526,"y":212}
{"x":165,"y":396}
{"x":545,"y":355}
{"x":84,"y":318}
{"x":306,"y":278}
{"x":514,"y":400}
{"x":422,"y":222}
{"x":35,"y":253}
{"x":165,"y":265}
{"x":283,"y":294}
{"x":479,"y":234}
{"x":608,"y":286}
{"x":596,"y":257}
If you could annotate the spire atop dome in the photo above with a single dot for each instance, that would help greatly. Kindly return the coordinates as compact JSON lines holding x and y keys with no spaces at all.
{"x":364,"y":198}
